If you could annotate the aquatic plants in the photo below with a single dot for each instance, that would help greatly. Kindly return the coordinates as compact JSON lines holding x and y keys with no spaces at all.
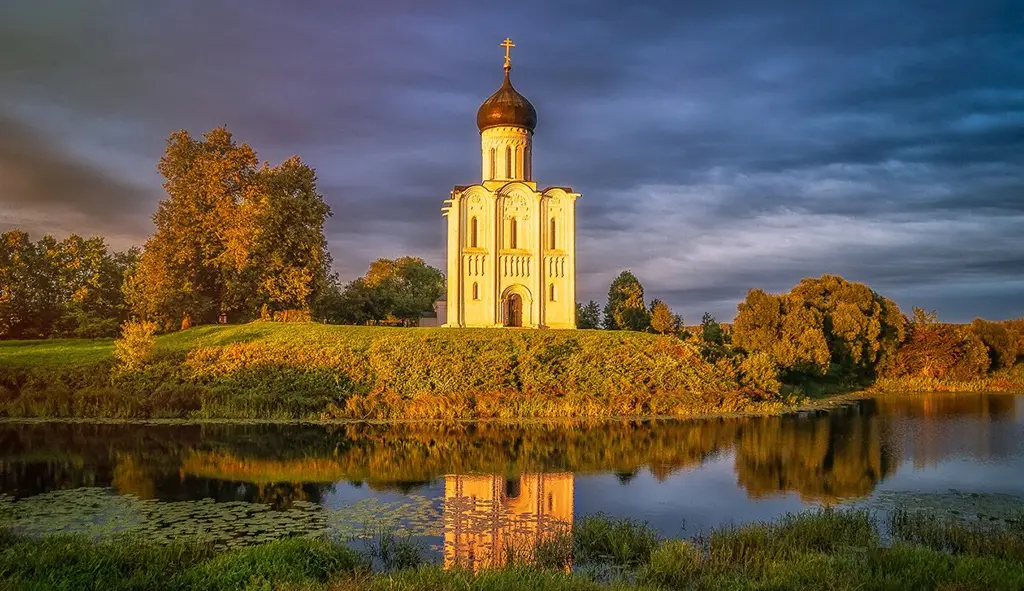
{"x":815,"y":550}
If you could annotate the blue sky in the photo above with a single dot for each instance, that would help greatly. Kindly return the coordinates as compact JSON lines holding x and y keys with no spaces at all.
{"x":718,"y":145}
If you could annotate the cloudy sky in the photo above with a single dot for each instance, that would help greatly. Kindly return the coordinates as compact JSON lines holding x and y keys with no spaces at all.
{"x":718,"y":145}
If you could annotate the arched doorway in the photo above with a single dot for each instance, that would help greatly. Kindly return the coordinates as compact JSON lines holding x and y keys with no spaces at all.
{"x":514,"y":310}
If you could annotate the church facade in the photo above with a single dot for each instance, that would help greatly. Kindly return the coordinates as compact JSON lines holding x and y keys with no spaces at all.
{"x":511,"y":246}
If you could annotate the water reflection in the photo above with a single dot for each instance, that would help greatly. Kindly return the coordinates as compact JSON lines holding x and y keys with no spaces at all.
{"x":820,"y":457}
{"x":489,"y":520}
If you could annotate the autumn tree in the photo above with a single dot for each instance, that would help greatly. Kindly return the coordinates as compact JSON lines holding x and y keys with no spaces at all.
{"x":1000,"y":342}
{"x":232,"y":236}
{"x":663,"y":320}
{"x":588,"y":316}
{"x":626,"y":309}
{"x":823,"y":326}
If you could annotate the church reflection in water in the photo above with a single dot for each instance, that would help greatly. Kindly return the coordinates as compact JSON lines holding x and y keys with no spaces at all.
{"x":489,"y":519}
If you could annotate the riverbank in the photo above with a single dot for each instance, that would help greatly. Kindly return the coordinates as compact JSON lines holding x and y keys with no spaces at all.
{"x":307,"y":371}
{"x":817,"y":550}
{"x":324,"y":373}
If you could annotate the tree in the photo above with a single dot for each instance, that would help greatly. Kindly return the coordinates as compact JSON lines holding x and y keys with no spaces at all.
{"x":1001,"y":345}
{"x":710,"y":330}
{"x":589,"y":316}
{"x":68,"y":288}
{"x":397,"y":290}
{"x":625,"y":309}
{"x":823,"y":326}
{"x":232,"y":236}
{"x":663,"y":320}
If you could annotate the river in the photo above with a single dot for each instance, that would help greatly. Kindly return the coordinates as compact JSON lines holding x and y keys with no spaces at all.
{"x":467,"y":491}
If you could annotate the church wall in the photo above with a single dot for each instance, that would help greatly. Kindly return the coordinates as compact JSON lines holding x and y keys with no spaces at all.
{"x":506,"y":153}
{"x":477,"y":262}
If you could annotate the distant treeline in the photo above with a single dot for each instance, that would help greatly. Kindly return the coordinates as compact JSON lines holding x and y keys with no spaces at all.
{"x":825,"y":334}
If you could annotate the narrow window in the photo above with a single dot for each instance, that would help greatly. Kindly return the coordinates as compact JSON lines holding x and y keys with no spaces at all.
{"x":476,"y":291}
{"x":494,"y":166}
{"x":512,"y":242}
{"x":552,"y":294}
{"x":508,"y":162}
{"x":527,"y":164}
{"x":552,"y":233}
{"x":472,"y":232}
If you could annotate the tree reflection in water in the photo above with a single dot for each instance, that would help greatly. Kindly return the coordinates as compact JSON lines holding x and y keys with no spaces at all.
{"x":822,"y":456}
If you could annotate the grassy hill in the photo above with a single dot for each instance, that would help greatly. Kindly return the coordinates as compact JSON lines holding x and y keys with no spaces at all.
{"x":323,"y":372}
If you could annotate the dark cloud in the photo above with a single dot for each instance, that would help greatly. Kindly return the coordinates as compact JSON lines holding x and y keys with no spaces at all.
{"x":718,"y":145}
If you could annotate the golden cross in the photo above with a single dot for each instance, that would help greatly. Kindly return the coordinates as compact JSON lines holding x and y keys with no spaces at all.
{"x":508,"y":45}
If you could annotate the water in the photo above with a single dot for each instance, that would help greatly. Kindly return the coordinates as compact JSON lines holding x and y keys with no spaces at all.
{"x":470,"y":491}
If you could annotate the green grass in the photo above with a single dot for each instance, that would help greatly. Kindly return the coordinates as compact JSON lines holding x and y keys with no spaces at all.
{"x":55,"y":353}
{"x":826,"y":549}
{"x":311,"y":371}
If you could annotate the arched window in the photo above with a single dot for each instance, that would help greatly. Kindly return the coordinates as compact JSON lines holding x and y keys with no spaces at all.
{"x":552,"y":234}
{"x":551,"y":296}
{"x":473,"y":232}
{"x":494,"y":157}
{"x":527,"y":163}
{"x":508,"y":162}
{"x":512,"y":232}
{"x":476,"y":291}
{"x":513,"y":488}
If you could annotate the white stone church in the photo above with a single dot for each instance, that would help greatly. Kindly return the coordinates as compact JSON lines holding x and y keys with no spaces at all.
{"x":511,"y":246}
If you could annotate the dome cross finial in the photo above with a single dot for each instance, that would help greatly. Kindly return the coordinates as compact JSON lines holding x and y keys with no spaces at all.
{"x":508,"y":45}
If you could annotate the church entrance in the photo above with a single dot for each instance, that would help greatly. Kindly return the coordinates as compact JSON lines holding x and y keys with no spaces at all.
{"x":514,"y":310}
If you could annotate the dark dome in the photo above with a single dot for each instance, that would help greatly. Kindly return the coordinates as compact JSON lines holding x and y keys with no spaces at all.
{"x":506,"y":107}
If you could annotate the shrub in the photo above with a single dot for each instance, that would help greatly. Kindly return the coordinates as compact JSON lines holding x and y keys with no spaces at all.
{"x":759,"y":371}
{"x":1002,"y":348}
{"x":135,"y":346}
{"x":941,"y":351}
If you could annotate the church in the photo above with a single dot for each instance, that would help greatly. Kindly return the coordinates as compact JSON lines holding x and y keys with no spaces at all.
{"x":511,"y":246}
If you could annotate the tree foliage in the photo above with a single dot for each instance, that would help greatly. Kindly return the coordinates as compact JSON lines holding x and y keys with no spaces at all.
{"x":936,"y":350}
{"x":1001,"y":343}
{"x":823,"y":326}
{"x":663,"y":320}
{"x":588,"y":316}
{"x":232,"y":236}
{"x":67,"y":288}
{"x":626,"y":309}
{"x":392,"y":290}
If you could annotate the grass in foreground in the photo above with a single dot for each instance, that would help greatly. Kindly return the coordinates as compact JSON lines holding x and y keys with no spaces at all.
{"x":817,"y":550}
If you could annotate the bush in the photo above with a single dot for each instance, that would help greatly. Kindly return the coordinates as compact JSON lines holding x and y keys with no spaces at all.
{"x":759,"y":372}
{"x":941,"y":351}
{"x":1002,"y":348}
{"x":135,"y":346}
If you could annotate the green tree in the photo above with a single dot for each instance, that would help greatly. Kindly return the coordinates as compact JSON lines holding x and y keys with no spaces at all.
{"x":710,"y":330}
{"x":663,"y":320}
{"x":625,"y":309}
{"x":395,"y":290}
{"x":60,"y":288}
{"x":589,"y":316}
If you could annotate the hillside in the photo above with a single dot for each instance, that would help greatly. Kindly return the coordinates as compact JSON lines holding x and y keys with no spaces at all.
{"x":322,"y":372}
